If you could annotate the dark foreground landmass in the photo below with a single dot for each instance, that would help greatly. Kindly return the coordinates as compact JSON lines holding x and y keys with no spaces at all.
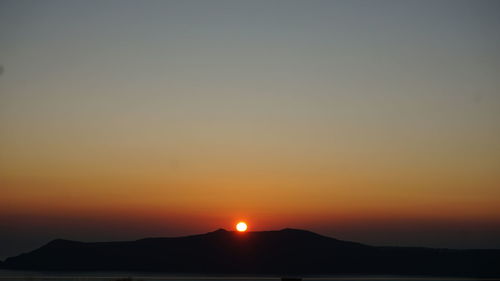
{"x":284,"y":252}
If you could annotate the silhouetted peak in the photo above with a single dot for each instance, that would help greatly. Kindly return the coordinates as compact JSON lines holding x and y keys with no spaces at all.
{"x":296,"y":230}
{"x":301,"y":232}
{"x":61,"y":242}
{"x":219,"y":231}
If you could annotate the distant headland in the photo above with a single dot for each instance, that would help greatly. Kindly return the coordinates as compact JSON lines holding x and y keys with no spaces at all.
{"x":282,"y":252}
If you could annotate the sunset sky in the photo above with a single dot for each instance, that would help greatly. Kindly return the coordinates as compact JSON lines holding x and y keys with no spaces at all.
{"x":373,"y":121}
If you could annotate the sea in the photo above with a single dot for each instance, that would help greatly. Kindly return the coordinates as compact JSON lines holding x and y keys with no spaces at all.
{"x":15,"y":275}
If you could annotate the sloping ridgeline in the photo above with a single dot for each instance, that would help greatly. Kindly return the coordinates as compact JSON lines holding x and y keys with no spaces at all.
{"x":284,"y":252}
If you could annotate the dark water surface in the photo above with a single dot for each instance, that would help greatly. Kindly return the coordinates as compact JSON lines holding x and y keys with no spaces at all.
{"x":111,"y":276}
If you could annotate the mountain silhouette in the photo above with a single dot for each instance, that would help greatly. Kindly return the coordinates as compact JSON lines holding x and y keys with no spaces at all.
{"x":283,"y":252}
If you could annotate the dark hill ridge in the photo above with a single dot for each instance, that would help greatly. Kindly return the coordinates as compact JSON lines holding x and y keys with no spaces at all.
{"x":288,"y":251}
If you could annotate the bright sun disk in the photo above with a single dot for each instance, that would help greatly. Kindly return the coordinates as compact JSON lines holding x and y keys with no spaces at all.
{"x":241,"y":227}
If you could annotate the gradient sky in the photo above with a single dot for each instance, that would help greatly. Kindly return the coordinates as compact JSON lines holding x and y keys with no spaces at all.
{"x":374,"y":121}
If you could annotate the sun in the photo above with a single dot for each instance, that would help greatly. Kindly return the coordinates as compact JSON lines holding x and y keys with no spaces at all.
{"x":241,"y":226}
